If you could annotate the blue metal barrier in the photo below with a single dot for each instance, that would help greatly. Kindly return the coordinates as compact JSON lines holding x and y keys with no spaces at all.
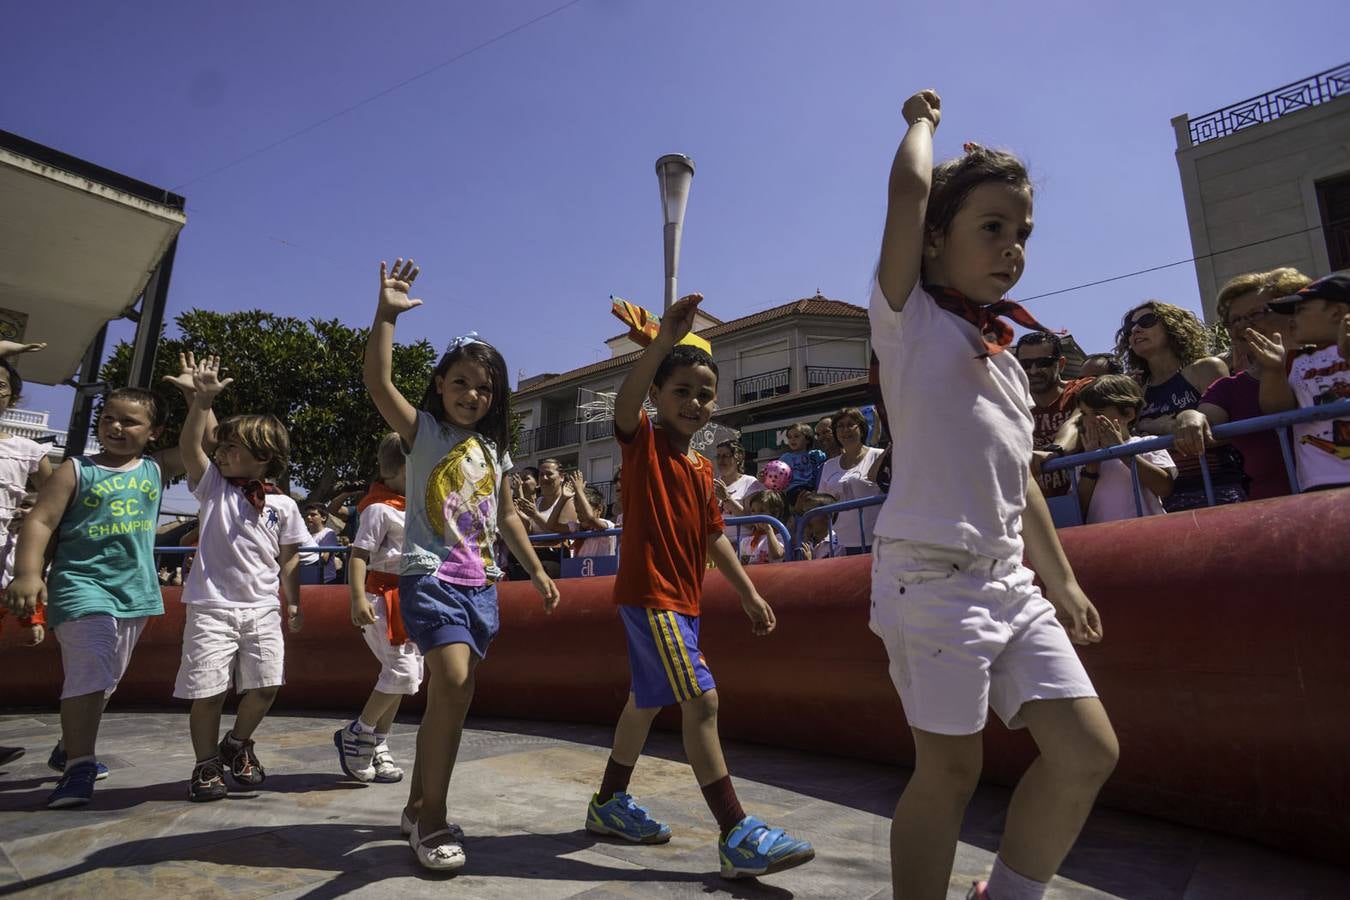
{"x":738,"y":521}
{"x":1277,"y":422}
{"x":842,"y":506}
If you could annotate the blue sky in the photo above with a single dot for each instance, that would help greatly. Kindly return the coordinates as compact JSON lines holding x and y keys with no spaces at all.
{"x":521,"y":177}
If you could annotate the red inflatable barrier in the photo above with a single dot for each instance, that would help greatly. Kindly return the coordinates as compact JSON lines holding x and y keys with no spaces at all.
{"x":1223,"y":667}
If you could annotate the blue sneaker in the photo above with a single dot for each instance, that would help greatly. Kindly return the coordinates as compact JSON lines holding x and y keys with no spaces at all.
{"x":76,"y":787}
{"x":622,"y":817}
{"x":753,"y":848}
{"x":57,"y":762}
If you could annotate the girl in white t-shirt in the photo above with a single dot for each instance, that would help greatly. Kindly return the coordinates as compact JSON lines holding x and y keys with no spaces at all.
{"x":457,"y":504}
{"x":964,"y":625}
{"x":762,"y":544}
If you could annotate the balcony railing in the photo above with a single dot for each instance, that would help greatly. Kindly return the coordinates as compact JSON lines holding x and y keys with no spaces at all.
{"x":546,"y":437}
{"x":820,"y":375}
{"x":596,"y":431}
{"x":767,"y":384}
{"x":1267,"y":107}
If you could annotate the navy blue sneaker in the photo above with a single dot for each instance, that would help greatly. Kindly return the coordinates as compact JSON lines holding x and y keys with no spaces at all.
{"x":57,"y":762}
{"x":753,"y":848}
{"x":76,"y":787}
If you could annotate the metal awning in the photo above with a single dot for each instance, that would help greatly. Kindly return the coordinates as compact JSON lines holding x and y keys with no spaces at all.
{"x":78,"y":245}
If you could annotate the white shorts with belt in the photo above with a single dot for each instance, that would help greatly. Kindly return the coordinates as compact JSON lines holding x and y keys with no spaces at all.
{"x":965,"y":633}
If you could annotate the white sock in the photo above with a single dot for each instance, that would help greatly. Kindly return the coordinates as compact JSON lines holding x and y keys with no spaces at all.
{"x":359,"y":727}
{"x":382,"y":740}
{"x":71,"y":763}
{"x":1005,"y":884}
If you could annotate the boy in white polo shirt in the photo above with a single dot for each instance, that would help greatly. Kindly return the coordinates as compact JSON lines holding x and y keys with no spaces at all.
{"x":249,"y":535}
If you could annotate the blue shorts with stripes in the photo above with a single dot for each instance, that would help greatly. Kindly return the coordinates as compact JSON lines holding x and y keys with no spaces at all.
{"x":663,"y":656}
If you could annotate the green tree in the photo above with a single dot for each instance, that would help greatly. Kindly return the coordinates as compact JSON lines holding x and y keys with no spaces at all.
{"x":306,"y":373}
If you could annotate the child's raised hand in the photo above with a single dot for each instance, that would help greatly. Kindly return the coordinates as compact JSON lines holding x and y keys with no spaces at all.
{"x":926,"y":104}
{"x":1267,"y":352}
{"x":12,"y":348}
{"x":678,"y":321}
{"x":187,"y":363}
{"x":546,"y":588}
{"x":394,"y":286}
{"x":206,"y":380}
{"x":762,"y":620}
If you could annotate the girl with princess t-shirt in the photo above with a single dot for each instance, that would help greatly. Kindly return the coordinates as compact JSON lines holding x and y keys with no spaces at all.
{"x":457,"y":503}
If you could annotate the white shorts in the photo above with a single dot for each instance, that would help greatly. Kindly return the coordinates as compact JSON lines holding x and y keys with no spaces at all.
{"x":224,"y":646}
{"x":95,"y":652}
{"x":965,"y":633}
{"x":401,"y":666}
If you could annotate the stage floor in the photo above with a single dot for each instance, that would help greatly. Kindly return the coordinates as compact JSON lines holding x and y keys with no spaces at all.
{"x":520,"y":792}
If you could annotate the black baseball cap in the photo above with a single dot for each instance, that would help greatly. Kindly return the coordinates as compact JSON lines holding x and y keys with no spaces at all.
{"x":1335,"y":286}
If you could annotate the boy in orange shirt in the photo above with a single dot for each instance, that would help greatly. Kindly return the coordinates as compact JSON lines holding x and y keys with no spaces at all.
{"x":672,"y":527}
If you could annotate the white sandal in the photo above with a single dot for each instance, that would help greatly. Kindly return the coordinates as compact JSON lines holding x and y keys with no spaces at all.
{"x":406,"y":826}
{"x":440,"y":857}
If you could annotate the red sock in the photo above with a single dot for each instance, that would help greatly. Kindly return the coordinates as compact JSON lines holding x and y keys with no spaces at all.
{"x":615,"y":780}
{"x":726,"y":809}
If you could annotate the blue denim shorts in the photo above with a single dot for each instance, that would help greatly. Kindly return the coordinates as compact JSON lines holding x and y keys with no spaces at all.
{"x":436,"y":613}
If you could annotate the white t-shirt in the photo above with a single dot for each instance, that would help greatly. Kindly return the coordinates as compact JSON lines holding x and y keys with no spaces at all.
{"x":324,"y":537}
{"x":826,"y":548}
{"x":852,"y":484}
{"x":961,"y":424}
{"x":1113,"y":497}
{"x":754,"y":550}
{"x":597,"y":546}
{"x":19,"y":458}
{"x":739,"y":490}
{"x":238,"y":547}
{"x":1318,"y":377}
{"x":380,"y":534}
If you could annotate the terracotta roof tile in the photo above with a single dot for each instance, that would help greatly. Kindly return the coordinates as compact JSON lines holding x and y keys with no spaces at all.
{"x":808,"y":306}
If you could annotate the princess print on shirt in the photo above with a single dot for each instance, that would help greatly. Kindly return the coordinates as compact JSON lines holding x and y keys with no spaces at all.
{"x":461,"y":505}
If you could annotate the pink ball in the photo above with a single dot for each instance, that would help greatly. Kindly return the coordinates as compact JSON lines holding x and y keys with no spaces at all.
{"x":775,"y":475}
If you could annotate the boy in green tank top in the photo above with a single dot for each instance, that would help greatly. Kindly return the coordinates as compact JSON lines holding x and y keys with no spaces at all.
{"x":102,"y":509}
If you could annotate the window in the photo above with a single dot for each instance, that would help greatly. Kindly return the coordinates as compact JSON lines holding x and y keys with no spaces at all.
{"x":1333,"y":199}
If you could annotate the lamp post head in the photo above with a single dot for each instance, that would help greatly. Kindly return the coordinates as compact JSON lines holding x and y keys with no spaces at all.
{"x":674,"y":172}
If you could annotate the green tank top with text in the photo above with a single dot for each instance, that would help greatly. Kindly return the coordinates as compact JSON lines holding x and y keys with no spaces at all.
{"x":105,"y":545}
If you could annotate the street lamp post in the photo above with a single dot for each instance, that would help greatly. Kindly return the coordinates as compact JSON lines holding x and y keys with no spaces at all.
{"x":675,"y":172}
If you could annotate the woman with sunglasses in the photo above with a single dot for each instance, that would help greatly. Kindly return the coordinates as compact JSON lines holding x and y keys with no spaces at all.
{"x":1168,"y":350}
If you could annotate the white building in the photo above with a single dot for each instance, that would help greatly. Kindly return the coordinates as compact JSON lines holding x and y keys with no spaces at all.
{"x":792,"y":362}
{"x":1267,"y":182}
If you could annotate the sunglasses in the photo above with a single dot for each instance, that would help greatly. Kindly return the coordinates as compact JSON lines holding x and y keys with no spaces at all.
{"x":1147,"y":320}
{"x":1044,"y":362}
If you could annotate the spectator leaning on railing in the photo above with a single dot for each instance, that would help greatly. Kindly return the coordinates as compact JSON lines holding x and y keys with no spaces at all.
{"x":1109,"y":405}
{"x":819,"y":540}
{"x":1041,"y":356}
{"x":1244,"y":303}
{"x":1169,"y":349}
{"x":849,"y":476}
{"x":1318,"y":373}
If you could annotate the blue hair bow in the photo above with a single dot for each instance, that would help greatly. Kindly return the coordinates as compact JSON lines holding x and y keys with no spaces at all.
{"x":464,"y":340}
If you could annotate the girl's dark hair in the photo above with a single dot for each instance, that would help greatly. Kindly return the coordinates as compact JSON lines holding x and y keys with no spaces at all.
{"x":774,"y":503}
{"x":1120,"y":391}
{"x":683,"y":355}
{"x":15,"y":381}
{"x":954,"y":179}
{"x":806,"y":431}
{"x":496,"y":424}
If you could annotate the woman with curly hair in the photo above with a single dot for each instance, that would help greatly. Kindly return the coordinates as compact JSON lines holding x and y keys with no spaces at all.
{"x":1168,"y":349}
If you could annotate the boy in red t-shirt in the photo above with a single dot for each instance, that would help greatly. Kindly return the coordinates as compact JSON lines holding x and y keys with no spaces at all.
{"x":672,"y":525}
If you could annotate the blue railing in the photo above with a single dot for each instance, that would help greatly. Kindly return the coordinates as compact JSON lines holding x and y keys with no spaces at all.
{"x":738,"y":521}
{"x":1277,"y":422}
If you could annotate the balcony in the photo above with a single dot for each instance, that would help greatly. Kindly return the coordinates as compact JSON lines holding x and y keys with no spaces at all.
{"x":766,"y":384}
{"x":547,"y":437}
{"x":599,"y":430}
{"x":1303,"y":94}
{"x":821,"y":375}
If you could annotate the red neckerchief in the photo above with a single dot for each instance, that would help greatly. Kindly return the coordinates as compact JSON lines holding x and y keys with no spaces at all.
{"x":996,"y":333}
{"x":255,"y":491}
{"x":379,"y":493}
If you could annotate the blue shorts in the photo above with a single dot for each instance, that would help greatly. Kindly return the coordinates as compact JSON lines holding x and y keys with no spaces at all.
{"x":663,"y":656}
{"x":436,"y":613}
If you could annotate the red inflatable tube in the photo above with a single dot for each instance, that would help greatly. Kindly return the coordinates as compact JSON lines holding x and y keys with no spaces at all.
{"x":1223,"y":668}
